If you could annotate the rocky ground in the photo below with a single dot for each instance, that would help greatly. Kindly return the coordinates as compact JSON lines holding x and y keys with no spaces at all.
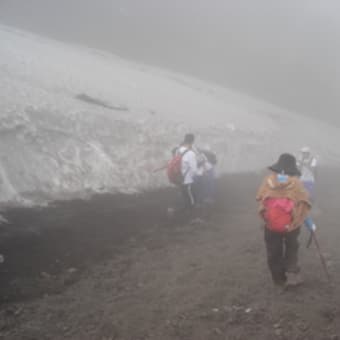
{"x":117,"y":267}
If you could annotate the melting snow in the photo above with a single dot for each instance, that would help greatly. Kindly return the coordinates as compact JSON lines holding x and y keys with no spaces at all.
{"x":53,"y":145}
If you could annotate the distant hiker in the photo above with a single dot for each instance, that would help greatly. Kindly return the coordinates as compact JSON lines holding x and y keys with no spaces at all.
{"x":183,"y":170}
{"x":284,"y":206}
{"x":307,"y":164}
{"x":206,"y":187}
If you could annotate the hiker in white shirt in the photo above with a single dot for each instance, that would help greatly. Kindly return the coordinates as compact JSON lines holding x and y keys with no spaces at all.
{"x":189,"y":168}
{"x":307,"y":164}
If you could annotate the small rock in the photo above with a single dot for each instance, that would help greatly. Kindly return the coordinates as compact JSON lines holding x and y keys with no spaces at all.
{"x":327,"y":256}
{"x":248,"y":310}
{"x":9,"y":312}
{"x":69,"y":281}
{"x":278,"y":332}
{"x":14,"y":311}
{"x":2,"y":259}
{"x":329,"y":263}
{"x":72,"y":270}
{"x":303,"y":326}
{"x":217,"y":331}
{"x":45,"y":275}
{"x":19,"y":311}
{"x":215,"y":310}
{"x":170,"y":212}
{"x":197,"y":221}
{"x":3,"y":220}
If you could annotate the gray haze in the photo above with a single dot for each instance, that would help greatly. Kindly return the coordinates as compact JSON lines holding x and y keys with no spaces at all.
{"x":286,"y":52}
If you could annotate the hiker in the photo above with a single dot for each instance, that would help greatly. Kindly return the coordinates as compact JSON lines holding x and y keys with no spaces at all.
{"x":307,"y":165}
{"x":284,"y":205}
{"x":206,"y":180}
{"x":189,"y":170}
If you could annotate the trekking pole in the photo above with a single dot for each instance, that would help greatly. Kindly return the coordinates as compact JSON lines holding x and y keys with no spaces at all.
{"x":310,"y":240}
{"x":160,"y":168}
{"x":322,"y":258}
{"x":311,"y":227}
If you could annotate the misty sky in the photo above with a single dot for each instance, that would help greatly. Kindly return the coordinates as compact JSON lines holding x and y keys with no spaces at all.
{"x":284,"y":51}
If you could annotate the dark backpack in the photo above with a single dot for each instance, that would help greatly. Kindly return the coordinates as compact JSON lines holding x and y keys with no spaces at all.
{"x":210,"y":156}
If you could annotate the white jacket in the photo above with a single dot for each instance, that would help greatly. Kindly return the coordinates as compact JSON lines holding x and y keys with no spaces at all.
{"x":307,"y":167}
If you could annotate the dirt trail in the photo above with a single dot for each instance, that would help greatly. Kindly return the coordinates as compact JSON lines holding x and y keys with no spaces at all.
{"x":117,"y":268}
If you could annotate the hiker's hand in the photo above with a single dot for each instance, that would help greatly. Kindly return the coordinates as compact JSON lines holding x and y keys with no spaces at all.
{"x":311,"y":227}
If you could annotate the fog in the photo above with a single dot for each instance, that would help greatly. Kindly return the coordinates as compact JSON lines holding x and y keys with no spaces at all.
{"x":286,"y":52}
{"x":105,"y":234}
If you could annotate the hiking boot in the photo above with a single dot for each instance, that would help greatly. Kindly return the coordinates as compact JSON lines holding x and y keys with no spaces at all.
{"x":294,"y":279}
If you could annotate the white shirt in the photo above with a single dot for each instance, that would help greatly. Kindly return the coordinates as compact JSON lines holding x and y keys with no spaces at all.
{"x":307,"y":167}
{"x":189,"y":165}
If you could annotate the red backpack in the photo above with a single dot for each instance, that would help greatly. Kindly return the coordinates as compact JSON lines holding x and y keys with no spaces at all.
{"x":278,"y":213}
{"x":174,"y":169}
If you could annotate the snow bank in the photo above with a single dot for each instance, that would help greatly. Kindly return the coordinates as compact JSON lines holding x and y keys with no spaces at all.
{"x":76,"y":121}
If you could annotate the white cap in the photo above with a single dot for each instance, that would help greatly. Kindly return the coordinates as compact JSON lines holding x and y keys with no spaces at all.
{"x":305,"y":149}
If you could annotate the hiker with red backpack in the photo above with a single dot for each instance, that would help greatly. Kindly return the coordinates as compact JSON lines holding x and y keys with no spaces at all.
{"x":284,"y":206}
{"x":188,"y":168}
{"x":192,"y":170}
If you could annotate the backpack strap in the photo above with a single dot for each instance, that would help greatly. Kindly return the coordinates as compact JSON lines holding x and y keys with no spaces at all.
{"x":183,"y":153}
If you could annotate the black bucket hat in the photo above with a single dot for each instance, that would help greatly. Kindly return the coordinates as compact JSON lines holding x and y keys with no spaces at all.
{"x":286,"y":165}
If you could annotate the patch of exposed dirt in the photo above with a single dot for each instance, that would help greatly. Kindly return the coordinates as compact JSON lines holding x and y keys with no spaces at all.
{"x":116,"y":267}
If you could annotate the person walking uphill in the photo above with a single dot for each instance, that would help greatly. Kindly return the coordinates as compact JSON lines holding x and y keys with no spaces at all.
{"x":189,"y":168}
{"x":283,"y":205}
{"x":307,"y":165}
